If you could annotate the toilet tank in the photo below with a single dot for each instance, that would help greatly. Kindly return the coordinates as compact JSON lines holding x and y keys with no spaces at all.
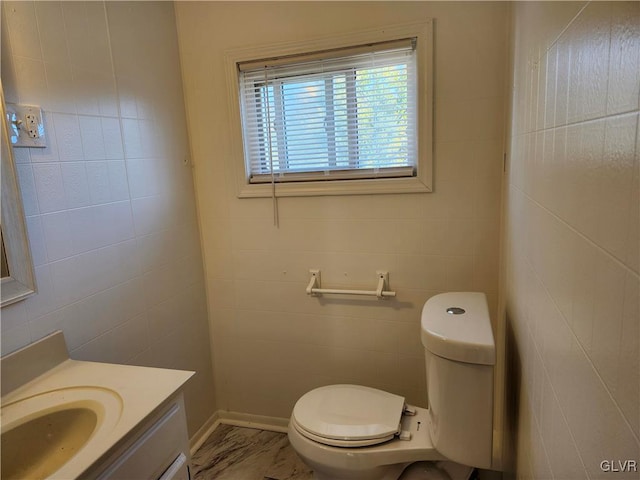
{"x":460,"y":358}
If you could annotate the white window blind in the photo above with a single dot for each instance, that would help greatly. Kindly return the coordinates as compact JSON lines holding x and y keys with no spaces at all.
{"x":331,"y":115}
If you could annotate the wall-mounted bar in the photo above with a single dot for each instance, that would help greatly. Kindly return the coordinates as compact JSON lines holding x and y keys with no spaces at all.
{"x":381,"y":291}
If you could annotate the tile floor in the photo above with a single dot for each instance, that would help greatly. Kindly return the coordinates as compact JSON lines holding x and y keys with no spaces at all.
{"x":236,"y":453}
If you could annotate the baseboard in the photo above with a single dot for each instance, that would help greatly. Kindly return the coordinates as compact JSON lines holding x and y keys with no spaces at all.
{"x":203,"y":432}
{"x":261,"y":422}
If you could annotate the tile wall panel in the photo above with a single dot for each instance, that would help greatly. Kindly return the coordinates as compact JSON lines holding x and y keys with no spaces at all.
{"x":109,"y":203}
{"x":271,"y":341}
{"x":571,"y":215}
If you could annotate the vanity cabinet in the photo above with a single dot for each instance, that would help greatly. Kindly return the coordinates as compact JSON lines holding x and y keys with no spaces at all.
{"x":158,"y":449}
{"x":140,"y":430}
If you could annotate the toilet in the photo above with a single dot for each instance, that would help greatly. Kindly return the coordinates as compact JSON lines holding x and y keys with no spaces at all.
{"x":345,"y":432}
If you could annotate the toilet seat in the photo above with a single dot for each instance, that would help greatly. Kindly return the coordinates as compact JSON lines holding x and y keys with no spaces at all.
{"x":333,"y":442}
{"x":348,"y":415}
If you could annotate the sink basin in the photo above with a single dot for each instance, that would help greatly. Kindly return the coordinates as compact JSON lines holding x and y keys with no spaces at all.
{"x":52,"y":440}
{"x":41,"y":433}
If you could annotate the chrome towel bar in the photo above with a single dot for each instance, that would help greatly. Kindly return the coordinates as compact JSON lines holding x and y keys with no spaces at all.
{"x":313,"y":288}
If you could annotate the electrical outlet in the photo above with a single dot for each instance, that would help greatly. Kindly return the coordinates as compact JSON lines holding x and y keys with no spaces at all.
{"x":25,"y":125}
{"x":32,"y":125}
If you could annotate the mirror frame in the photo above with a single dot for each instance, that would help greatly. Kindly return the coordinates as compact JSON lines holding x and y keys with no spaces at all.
{"x":21,"y":280}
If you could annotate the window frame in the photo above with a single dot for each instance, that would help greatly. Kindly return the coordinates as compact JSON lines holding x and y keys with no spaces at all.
{"x":422,"y":182}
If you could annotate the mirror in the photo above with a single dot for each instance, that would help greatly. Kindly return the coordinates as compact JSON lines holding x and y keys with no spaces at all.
{"x":18,"y":279}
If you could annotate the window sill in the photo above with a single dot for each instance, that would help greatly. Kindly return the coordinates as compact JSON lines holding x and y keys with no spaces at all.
{"x":338,"y":187}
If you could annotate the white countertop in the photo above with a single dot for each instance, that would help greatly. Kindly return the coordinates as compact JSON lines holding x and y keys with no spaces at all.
{"x":135,"y":391}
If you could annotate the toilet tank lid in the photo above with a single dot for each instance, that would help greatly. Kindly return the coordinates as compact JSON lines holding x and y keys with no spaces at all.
{"x":457,"y":326}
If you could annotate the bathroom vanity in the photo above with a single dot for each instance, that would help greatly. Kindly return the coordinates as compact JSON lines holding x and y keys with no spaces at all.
{"x":63,"y":418}
{"x":157,"y":449}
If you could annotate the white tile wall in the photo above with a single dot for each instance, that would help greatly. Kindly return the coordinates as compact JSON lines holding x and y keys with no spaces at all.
{"x":271,"y":341}
{"x":571,"y":215}
{"x":114,"y":263}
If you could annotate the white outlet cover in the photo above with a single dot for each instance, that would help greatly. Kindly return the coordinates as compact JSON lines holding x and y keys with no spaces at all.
{"x":26,"y":127}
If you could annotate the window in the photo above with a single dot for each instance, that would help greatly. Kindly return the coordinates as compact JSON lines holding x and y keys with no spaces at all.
{"x":342,"y":119}
{"x":349,"y":115}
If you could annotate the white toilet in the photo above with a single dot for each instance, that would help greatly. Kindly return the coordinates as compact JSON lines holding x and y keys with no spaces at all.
{"x":361,"y":433}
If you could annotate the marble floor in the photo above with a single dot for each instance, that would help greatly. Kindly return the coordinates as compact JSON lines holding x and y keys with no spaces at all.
{"x":236,"y":453}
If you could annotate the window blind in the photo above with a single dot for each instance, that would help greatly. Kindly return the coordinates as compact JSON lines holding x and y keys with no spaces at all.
{"x":331,"y":115}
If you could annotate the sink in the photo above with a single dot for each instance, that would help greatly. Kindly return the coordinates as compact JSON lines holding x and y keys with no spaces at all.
{"x":52,"y":438}
{"x":70,"y":419}
{"x":41,"y":433}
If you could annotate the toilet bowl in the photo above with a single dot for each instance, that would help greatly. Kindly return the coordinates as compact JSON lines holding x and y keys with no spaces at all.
{"x":345,"y":432}
{"x":383,"y":458}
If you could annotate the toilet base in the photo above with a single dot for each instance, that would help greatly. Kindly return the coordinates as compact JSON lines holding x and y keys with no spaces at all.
{"x":385,"y":472}
{"x":437,"y":471}
{"x":379,"y":462}
{"x":400,"y":471}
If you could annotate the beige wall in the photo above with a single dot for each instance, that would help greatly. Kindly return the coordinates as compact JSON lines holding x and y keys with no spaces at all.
{"x":109,"y":205}
{"x":573,"y":243}
{"x":271,"y":341}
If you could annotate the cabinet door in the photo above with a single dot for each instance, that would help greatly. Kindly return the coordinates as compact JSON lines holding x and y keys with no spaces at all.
{"x":154,"y":451}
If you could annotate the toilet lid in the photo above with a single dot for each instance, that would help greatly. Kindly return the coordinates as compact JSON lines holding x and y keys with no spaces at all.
{"x":351,"y":413}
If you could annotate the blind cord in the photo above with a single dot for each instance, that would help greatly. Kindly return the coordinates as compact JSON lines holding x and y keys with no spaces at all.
{"x":274,"y":199}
